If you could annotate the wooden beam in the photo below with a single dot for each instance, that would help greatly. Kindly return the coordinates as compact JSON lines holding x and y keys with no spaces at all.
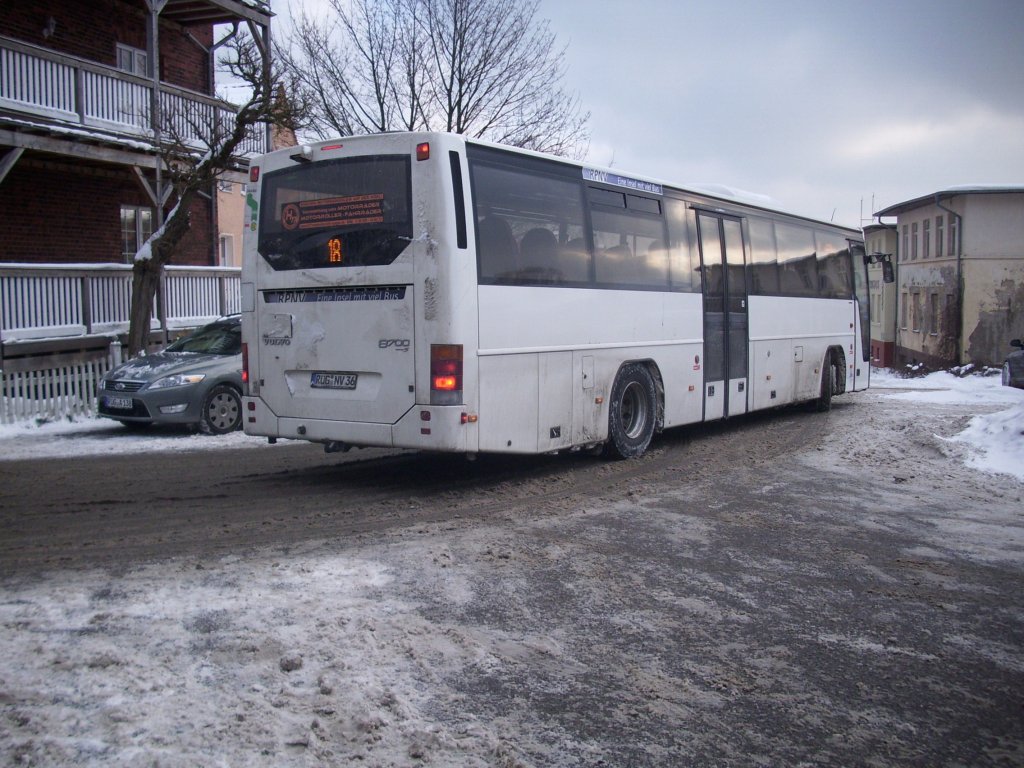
{"x":79,"y":149}
{"x":9,"y":161}
{"x":146,"y":186}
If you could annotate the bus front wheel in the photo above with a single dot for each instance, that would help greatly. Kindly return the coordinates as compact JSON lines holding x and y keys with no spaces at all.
{"x":828,"y":387}
{"x":631,"y":413}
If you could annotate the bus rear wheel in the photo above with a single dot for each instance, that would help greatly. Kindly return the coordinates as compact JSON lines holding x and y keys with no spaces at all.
{"x":631,"y":413}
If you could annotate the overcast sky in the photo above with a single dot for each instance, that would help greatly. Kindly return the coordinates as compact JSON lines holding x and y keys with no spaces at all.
{"x":823,"y":106}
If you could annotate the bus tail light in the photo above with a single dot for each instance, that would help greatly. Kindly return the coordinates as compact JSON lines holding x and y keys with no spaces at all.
{"x":254,"y":174}
{"x":245,"y":365}
{"x":445,"y":374}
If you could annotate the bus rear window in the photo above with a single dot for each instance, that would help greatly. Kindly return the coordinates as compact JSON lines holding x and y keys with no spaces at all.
{"x":352,"y":212}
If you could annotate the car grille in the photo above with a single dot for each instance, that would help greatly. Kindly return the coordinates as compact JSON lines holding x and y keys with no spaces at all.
{"x":123,"y":386}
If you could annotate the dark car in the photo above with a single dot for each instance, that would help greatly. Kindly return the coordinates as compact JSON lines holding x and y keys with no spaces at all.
{"x":1013,"y":368}
{"x":197,"y":380}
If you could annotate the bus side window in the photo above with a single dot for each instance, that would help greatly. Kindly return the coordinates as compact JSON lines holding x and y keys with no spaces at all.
{"x":835,"y":278}
{"x":538,"y":252}
{"x":798,"y":264}
{"x":764,"y":267}
{"x":499,"y":252}
{"x":574,"y":261}
{"x":622,"y":249}
{"x":684,"y":266}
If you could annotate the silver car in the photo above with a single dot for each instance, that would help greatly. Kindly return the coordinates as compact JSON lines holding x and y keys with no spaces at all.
{"x":197,"y":380}
{"x":1013,"y":368}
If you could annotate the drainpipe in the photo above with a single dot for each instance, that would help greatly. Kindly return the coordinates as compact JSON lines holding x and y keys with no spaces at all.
{"x":959,"y":276}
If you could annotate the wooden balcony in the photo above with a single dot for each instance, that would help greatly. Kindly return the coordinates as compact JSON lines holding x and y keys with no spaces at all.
{"x":42,"y":91}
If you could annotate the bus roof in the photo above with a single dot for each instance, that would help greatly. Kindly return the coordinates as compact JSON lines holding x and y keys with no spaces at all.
{"x":719,"y":193}
{"x":710,"y":194}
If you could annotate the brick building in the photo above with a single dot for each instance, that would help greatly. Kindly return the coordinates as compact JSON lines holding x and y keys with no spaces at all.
{"x":84,"y":114}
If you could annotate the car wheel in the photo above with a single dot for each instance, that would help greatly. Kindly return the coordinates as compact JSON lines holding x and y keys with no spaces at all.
{"x":222,"y":411}
{"x":631,"y":413}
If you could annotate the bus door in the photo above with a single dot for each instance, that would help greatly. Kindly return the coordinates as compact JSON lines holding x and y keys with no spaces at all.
{"x":725,"y":315}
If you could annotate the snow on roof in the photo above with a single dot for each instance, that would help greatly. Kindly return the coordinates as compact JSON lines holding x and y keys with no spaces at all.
{"x":739,"y":195}
{"x":965,"y":189}
{"x":98,"y":136}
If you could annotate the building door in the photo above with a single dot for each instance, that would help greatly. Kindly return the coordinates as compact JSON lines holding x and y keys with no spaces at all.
{"x":726,"y":329}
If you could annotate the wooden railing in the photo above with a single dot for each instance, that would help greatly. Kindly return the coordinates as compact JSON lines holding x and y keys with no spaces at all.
{"x":59,"y":328}
{"x":37,"y":81}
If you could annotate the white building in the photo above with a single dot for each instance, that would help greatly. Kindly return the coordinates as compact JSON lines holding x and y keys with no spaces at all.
{"x":959,"y":275}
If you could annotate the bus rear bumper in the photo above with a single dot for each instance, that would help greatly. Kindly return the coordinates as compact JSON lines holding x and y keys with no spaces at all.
{"x":426,"y":427}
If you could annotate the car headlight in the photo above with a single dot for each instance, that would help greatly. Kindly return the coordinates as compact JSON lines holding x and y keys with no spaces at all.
{"x":178,"y":380}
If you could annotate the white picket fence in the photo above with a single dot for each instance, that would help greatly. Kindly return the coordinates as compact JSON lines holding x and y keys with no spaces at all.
{"x":59,"y":328}
{"x":58,"y":391}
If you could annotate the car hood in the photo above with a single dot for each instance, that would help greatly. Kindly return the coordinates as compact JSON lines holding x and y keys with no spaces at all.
{"x":160,"y":364}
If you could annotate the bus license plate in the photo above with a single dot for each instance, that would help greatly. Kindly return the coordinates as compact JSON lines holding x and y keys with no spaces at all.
{"x":333,"y":380}
{"x":119,"y":403}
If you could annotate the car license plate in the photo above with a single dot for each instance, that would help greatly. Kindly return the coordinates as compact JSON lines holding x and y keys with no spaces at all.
{"x":120,"y":403}
{"x":322,"y":380}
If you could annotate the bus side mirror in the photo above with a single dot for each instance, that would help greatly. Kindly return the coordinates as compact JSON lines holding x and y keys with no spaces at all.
{"x":885,"y":259}
{"x":1017,"y":343}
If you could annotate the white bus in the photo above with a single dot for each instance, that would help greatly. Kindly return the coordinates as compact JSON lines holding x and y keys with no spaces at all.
{"x":428,"y":291}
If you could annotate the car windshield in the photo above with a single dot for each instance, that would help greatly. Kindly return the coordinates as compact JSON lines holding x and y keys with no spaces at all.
{"x":215,"y":339}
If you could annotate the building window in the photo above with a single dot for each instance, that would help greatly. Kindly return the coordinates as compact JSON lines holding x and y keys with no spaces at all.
{"x":903,"y":311}
{"x":227,"y":251}
{"x":926,"y":238}
{"x":906,"y":243}
{"x":913,"y":241}
{"x":131,"y":60}
{"x":938,"y":236}
{"x":954,"y":249}
{"x":915,"y":312}
{"x":136,"y":227}
{"x":933,"y":314}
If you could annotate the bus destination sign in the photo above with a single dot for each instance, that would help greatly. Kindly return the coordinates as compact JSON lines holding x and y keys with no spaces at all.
{"x":604,"y":177}
{"x":304,"y":295}
{"x":333,"y":212}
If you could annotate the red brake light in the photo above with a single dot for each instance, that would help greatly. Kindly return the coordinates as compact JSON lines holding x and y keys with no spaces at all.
{"x":423,"y":151}
{"x":446,"y":383}
{"x":445,"y":374}
{"x":254,"y":174}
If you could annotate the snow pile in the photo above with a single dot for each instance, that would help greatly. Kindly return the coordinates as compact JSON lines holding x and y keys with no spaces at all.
{"x":96,"y":436}
{"x":995,"y":441}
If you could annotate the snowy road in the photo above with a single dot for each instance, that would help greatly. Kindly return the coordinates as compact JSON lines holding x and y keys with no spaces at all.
{"x":832,"y":589}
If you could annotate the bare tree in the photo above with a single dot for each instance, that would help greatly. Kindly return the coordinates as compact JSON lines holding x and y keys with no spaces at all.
{"x":193,"y":173}
{"x":359,"y":69}
{"x":484,"y":68}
